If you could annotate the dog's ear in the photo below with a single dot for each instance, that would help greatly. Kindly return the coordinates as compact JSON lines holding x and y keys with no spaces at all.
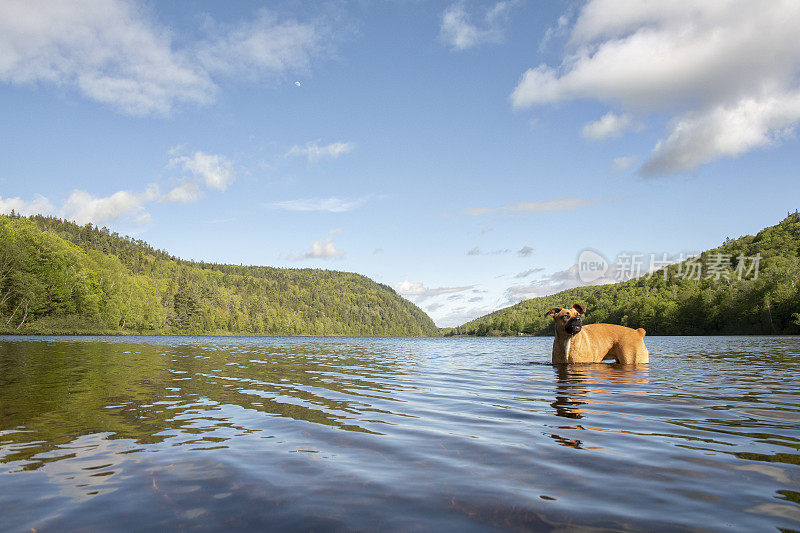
{"x":579,"y":308}
{"x":553,"y":311}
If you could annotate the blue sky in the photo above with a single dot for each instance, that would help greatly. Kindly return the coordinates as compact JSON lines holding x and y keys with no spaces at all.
{"x":462,"y":152}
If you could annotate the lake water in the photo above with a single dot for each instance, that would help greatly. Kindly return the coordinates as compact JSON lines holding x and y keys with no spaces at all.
{"x":455,"y":434}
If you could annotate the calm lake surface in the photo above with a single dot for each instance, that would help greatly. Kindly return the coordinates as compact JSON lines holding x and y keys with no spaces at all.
{"x":458,"y":434}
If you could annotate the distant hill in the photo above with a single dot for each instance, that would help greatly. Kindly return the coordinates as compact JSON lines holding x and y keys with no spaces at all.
{"x":680,"y":305}
{"x":59,"y":277}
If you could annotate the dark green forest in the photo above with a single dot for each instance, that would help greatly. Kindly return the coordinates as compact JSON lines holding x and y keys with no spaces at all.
{"x":59,"y":277}
{"x":718,"y":303}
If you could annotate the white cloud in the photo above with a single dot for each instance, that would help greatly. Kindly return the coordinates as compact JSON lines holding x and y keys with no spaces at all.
{"x":460,"y":315}
{"x":186,"y":192}
{"x":458,"y":31}
{"x":559,"y":281}
{"x":409,"y":288}
{"x":214,"y":170}
{"x":518,"y":293}
{"x":264,"y":45}
{"x":39,"y":205}
{"x":528,"y":272}
{"x":544,"y":286}
{"x":320,"y":249}
{"x":143,"y":219}
{"x":697,"y":138}
{"x":113,"y":51}
{"x":210,"y":170}
{"x":609,"y":125}
{"x":621,"y":164}
{"x":313,"y":151}
{"x":81,"y":207}
{"x":726,"y":71}
{"x":107,"y":49}
{"x":477,"y":211}
{"x":558,"y":30}
{"x":477,"y":251}
{"x":545,"y":206}
{"x":332,"y":205}
{"x":420,"y":293}
{"x":522,"y":252}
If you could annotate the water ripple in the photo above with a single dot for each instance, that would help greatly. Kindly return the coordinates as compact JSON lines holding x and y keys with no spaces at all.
{"x":397,"y":434}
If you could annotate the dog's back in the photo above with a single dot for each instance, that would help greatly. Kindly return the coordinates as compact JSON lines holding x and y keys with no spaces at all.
{"x":624,"y":344}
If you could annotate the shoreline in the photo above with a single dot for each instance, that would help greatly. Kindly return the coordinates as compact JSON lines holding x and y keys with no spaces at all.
{"x":229,"y":334}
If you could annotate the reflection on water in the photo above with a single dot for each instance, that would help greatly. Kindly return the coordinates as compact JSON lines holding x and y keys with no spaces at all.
{"x":398,"y":434}
{"x":577,"y":385}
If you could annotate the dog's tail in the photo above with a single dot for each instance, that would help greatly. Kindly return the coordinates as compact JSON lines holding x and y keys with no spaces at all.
{"x":641,"y":332}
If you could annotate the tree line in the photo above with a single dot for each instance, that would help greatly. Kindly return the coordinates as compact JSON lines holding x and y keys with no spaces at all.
{"x":766,"y":301}
{"x":60,"y":277}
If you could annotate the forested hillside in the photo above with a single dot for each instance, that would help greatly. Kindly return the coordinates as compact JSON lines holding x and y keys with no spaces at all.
{"x":711,"y":301}
{"x":59,"y":277}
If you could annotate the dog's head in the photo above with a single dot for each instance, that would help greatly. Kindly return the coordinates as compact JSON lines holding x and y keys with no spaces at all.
{"x":568,"y":320}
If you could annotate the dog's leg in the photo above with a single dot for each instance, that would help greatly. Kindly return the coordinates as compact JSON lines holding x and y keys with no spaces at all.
{"x":634,"y":355}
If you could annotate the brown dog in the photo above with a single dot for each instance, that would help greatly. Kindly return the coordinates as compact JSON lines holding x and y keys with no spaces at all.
{"x":593,"y":343}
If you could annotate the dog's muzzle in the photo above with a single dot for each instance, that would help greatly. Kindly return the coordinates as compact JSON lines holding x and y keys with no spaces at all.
{"x":573,"y":326}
